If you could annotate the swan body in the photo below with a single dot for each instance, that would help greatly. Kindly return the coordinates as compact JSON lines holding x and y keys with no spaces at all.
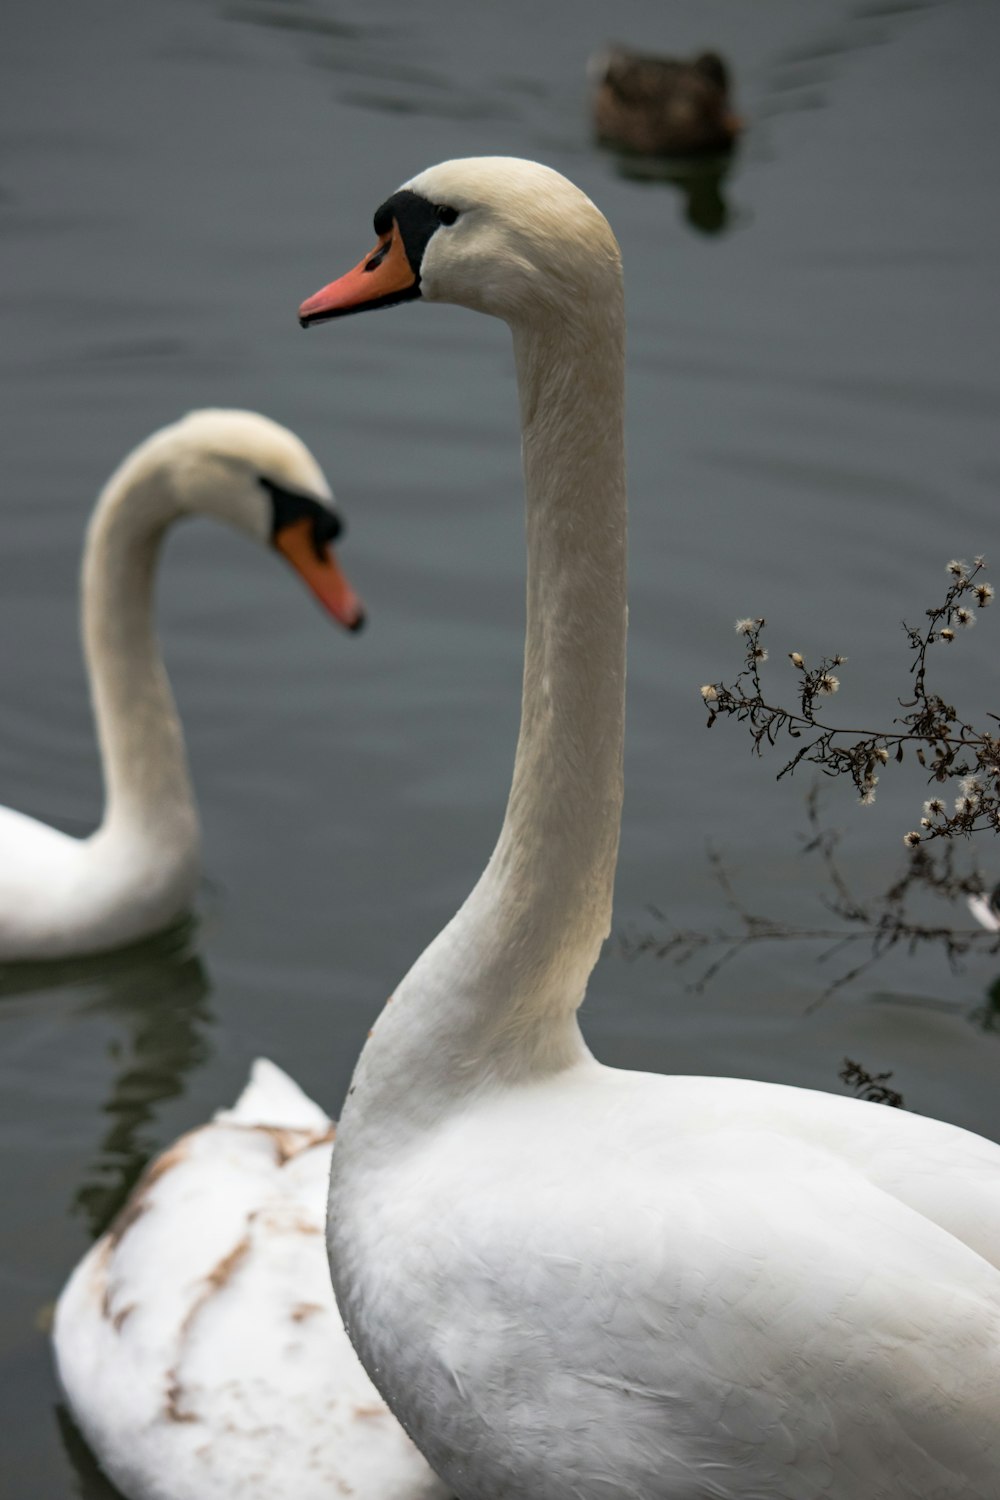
{"x":689,"y":1287}
{"x":581,"y":1283}
{"x":198,"y":1341}
{"x":138,"y":872}
{"x":663,"y":106}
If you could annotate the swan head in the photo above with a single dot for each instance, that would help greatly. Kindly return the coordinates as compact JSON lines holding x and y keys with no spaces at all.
{"x":502,"y":236}
{"x":258,"y":477}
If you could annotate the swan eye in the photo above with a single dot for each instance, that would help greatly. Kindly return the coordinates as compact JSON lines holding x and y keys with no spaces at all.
{"x":445,"y":214}
{"x":294,"y":506}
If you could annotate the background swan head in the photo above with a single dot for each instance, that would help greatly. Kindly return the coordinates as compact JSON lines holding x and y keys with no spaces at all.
{"x":493,"y":233}
{"x":259,"y":478}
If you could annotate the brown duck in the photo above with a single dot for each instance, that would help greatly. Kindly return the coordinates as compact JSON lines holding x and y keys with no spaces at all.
{"x":663,"y":106}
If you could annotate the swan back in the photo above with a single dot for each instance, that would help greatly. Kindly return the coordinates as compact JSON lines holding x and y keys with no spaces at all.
{"x":198,"y":1341}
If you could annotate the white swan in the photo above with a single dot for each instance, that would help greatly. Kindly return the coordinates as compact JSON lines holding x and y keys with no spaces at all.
{"x":62,"y":896}
{"x":575,"y":1282}
{"x":198,"y":1341}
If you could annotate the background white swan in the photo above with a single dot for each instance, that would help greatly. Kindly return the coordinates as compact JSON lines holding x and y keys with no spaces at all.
{"x":583,"y":1283}
{"x":60,"y":895}
{"x":198,"y":1341}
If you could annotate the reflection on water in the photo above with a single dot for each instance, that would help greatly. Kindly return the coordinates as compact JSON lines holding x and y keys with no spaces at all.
{"x":290,"y":18}
{"x":383,"y":57}
{"x":165,"y":1013}
{"x":97,"y":970}
{"x":699,"y":181}
{"x":799,"y":72}
{"x":983,"y":1017}
{"x":987,"y":1015}
{"x":93,"y":1049}
{"x":158,"y":991}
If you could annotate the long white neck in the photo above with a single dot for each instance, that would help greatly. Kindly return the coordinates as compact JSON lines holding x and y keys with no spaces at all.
{"x":495,"y":995}
{"x":542,"y":908}
{"x":148,"y":795}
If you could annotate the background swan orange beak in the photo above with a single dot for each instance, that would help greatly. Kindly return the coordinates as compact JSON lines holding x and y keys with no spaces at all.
{"x":321,"y":572}
{"x":384,"y":276}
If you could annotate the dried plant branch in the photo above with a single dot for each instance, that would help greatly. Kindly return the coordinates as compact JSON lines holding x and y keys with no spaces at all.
{"x":945,"y":745}
{"x":885,"y":923}
{"x":870,"y":1086}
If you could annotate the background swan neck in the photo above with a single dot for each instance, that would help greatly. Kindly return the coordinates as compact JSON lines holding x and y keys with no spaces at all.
{"x":148,"y":794}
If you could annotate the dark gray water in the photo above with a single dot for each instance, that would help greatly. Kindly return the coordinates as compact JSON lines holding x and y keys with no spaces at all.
{"x":813,"y":399}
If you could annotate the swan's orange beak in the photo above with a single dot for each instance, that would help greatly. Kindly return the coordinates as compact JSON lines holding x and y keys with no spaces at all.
{"x":384,"y":276}
{"x":319,"y":569}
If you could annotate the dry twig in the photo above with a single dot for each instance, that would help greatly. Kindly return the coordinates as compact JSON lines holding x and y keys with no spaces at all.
{"x":870,"y":1086}
{"x":885,"y":923}
{"x":946,"y":746}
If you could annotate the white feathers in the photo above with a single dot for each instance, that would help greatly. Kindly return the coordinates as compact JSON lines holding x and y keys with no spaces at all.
{"x":198,"y":1341}
{"x":272,"y":1098}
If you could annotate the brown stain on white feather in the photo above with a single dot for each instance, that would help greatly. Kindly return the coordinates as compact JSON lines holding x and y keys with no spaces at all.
{"x":303,"y":1310}
{"x":118,"y":1318}
{"x":172,"y":1407}
{"x":219,"y":1277}
{"x":135,"y":1205}
{"x":288,"y":1144}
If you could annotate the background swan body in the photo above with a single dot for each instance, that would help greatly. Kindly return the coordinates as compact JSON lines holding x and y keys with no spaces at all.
{"x":198,"y":1341}
{"x":62,"y":896}
{"x":659,"y":1288}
